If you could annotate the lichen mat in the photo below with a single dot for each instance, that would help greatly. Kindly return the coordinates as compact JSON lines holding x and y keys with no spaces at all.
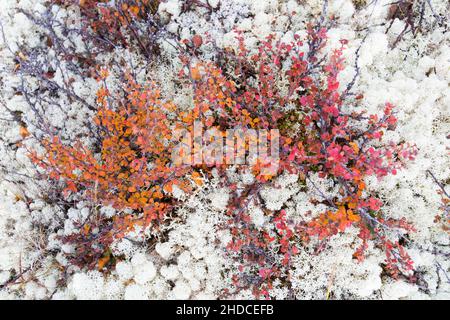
{"x":107,"y":191}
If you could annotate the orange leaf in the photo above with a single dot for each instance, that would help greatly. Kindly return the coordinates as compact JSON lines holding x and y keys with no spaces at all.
{"x":168,"y":188}
{"x":24,"y":132}
{"x":352,"y":217}
{"x":103,"y":261}
{"x":195,"y":73}
{"x":197,"y":178}
{"x":355,"y":147}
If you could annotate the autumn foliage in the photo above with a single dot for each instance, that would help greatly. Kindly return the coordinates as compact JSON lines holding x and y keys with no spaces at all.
{"x":132,"y":167}
{"x":323,"y":131}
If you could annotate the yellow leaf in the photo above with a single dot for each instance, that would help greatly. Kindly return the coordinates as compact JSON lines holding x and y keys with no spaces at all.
{"x":22,"y":56}
{"x":354,"y":146}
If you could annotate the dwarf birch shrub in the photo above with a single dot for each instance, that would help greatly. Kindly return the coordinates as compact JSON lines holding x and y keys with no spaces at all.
{"x":323,"y":131}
